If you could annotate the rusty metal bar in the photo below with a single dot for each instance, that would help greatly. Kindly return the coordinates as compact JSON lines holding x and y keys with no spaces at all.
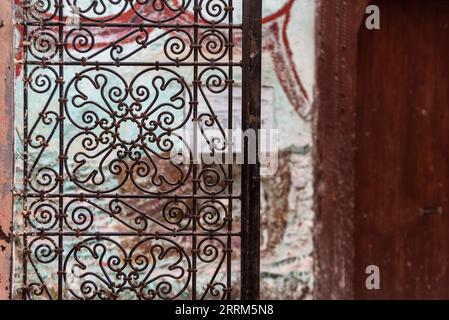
{"x":25,"y":131}
{"x":252,"y":64}
{"x":196,"y":55}
{"x":141,"y":25}
{"x":135,"y":64}
{"x":61,"y":150}
{"x":230,"y":166}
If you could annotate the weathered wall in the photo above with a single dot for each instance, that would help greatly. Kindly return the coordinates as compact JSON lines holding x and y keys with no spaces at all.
{"x":287,"y":198}
{"x":6,"y":159}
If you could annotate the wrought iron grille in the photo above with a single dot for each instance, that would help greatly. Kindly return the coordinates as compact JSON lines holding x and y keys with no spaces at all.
{"x":104,"y":210}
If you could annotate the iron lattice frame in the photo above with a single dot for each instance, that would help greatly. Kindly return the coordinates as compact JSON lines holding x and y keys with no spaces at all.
{"x":102,"y":168}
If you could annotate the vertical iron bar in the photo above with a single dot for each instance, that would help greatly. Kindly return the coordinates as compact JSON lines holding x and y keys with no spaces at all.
{"x":252,"y":61}
{"x":196,"y":9}
{"x":25,"y":154}
{"x":61,"y":148}
{"x":229,"y":138}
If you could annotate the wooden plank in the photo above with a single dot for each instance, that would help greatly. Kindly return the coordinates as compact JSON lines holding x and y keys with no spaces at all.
{"x":402,"y":174}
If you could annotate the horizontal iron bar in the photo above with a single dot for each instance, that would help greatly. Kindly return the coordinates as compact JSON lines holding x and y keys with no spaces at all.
{"x":136,"y":64}
{"x":133,"y":196}
{"x":127,"y":234}
{"x":132,"y":25}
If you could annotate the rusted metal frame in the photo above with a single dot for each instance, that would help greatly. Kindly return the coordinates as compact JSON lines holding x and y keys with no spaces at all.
{"x":130,"y":234}
{"x":139,"y":25}
{"x":134,"y":64}
{"x":196,"y":55}
{"x":61,"y":149}
{"x":336,"y":38}
{"x":252,"y":61}
{"x":130,"y":196}
{"x":253,"y":112}
{"x":6,"y":143}
{"x":230,"y":149}
{"x":24,"y":199}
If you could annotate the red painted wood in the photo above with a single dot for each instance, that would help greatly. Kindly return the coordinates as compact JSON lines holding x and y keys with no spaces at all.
{"x":402,"y":157}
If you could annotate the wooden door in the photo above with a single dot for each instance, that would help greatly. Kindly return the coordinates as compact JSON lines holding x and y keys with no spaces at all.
{"x":402,"y":156}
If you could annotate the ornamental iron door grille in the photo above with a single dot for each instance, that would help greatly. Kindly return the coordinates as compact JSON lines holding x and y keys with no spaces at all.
{"x":105,"y":90}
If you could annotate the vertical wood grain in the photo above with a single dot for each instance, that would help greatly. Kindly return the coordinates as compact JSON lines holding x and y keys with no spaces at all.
{"x":402,"y":157}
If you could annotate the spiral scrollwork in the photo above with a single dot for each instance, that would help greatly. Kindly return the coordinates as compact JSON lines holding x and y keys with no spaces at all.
{"x":79,"y":42}
{"x":212,"y":252}
{"x":213,"y":179}
{"x":114,"y":203}
{"x":178,"y":46}
{"x":212,"y":216}
{"x":105,"y":10}
{"x":43,"y":215}
{"x":214,"y":11}
{"x":154,"y":11}
{"x":102,"y":269}
{"x":43,"y":43}
{"x":178,"y":214}
{"x":214,"y":45}
{"x":78,"y":216}
{"x":43,"y":250}
{"x":39,"y":10}
{"x":128,"y":134}
{"x":160,"y":11}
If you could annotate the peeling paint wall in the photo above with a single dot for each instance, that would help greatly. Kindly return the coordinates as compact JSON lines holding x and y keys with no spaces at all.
{"x":6,"y":109}
{"x":287,"y":198}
